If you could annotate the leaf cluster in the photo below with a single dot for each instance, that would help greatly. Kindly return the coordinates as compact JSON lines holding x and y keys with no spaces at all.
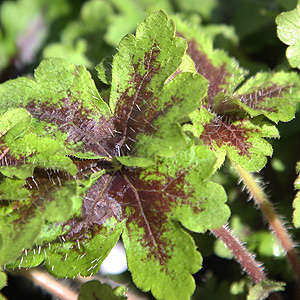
{"x":82,"y":167}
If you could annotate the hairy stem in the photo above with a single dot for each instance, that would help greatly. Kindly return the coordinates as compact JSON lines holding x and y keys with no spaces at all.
{"x":50,"y":284}
{"x":271,"y":216}
{"x":245,"y":259}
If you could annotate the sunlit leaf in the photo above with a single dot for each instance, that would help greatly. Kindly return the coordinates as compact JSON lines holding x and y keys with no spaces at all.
{"x":288,"y":30}
{"x":230,"y":120}
{"x":98,"y":171}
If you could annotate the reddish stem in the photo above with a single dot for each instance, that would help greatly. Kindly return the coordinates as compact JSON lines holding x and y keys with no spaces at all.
{"x":275,"y":223}
{"x":246,"y":259}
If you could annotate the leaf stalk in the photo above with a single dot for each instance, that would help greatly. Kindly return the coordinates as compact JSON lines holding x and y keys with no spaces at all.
{"x":247,"y":260}
{"x":275,"y":223}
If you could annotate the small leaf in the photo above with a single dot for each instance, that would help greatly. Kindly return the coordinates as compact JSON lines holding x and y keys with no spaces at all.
{"x":272,"y":94}
{"x":263,"y":289}
{"x":104,"y":70}
{"x":242,"y":140}
{"x":288,"y":30}
{"x":94,"y":290}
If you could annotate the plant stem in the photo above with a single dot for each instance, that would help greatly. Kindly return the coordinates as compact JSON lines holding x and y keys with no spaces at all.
{"x":271,"y":216}
{"x":246,"y":259}
{"x":50,"y":284}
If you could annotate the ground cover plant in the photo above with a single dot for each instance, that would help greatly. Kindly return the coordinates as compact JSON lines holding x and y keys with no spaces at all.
{"x":149,"y":146}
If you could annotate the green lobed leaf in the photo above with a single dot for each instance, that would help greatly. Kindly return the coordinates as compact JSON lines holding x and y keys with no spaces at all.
{"x":168,"y":138}
{"x":54,"y":198}
{"x":143,"y":201}
{"x":67,"y":257}
{"x":272,"y":94}
{"x":140,"y":94}
{"x":148,"y":57}
{"x":288,"y":31}
{"x":236,"y":139}
{"x":21,"y":222}
{"x":83,"y":255}
{"x":167,"y":275}
{"x":68,"y":88}
{"x":93,"y":290}
{"x":128,"y":14}
{"x":228,"y":121}
{"x":160,"y":254}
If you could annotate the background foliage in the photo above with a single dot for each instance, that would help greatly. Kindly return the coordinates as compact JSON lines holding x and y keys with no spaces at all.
{"x":84,"y":32}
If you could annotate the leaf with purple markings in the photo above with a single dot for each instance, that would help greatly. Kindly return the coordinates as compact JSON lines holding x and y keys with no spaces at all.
{"x":231,"y":119}
{"x":85,"y":172}
{"x":241,"y":140}
{"x":147,"y":105}
{"x":161,"y":255}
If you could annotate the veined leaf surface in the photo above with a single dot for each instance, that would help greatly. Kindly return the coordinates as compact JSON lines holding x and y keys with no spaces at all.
{"x":230,"y":124}
{"x":88,"y":172}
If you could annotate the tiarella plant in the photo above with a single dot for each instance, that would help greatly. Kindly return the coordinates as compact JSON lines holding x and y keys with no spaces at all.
{"x":80,"y":169}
